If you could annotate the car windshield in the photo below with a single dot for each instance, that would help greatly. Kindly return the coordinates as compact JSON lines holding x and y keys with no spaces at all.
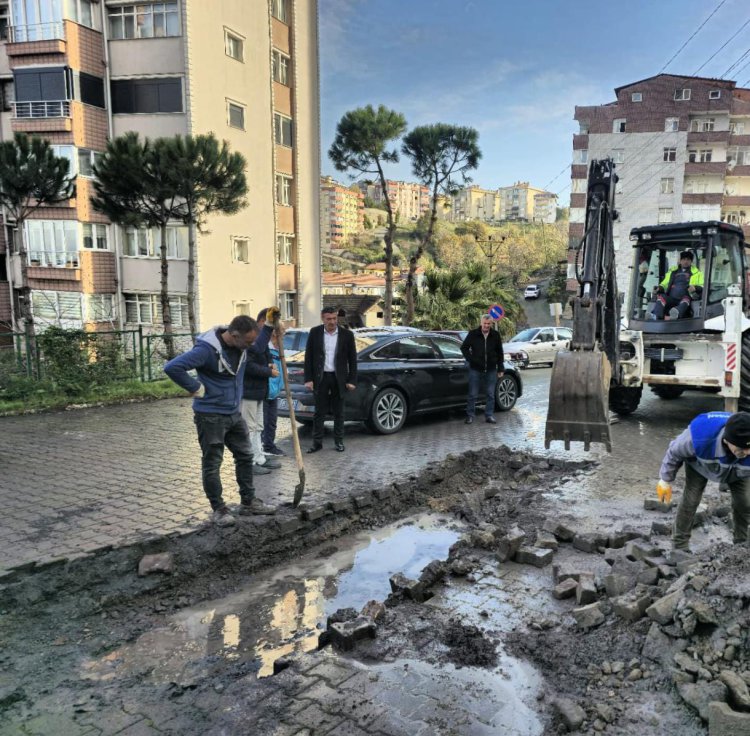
{"x":524,"y":336}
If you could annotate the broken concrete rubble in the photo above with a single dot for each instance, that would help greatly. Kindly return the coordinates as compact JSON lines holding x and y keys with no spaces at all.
{"x":589,"y":616}
{"x":534,"y":556}
{"x":509,"y":544}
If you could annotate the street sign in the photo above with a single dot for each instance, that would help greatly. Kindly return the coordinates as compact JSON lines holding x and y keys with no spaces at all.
{"x":496,"y":311}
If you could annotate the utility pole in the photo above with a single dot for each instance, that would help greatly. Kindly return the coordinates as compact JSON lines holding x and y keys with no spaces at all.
{"x":490,"y":248}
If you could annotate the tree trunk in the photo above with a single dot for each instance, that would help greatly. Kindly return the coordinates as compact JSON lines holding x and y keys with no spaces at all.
{"x":24,"y":299}
{"x":414,"y":262}
{"x":389,"y":233}
{"x":166,"y":312}
{"x":191,"y":281}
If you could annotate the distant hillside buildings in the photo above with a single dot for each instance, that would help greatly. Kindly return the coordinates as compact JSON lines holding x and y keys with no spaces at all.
{"x":341,"y":213}
{"x":520,"y":202}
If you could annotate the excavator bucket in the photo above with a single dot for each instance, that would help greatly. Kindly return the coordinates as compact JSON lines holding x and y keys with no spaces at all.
{"x":579,"y":399}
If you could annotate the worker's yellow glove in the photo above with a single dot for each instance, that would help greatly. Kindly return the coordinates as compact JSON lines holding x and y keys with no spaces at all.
{"x":272,"y":314}
{"x":664,"y":491}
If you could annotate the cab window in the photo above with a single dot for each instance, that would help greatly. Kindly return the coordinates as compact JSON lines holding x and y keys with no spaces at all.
{"x":726,"y":267}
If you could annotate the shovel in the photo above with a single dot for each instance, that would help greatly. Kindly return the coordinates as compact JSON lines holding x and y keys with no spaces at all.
{"x":299,"y":489}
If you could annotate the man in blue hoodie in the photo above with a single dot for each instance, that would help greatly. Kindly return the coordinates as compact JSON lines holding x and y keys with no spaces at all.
{"x":219,"y":358}
{"x":715,"y":446}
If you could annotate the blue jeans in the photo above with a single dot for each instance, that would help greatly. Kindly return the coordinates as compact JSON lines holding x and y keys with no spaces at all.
{"x":475,"y":379}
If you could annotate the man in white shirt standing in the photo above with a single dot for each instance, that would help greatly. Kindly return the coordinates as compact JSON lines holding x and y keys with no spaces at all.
{"x":330,"y":371}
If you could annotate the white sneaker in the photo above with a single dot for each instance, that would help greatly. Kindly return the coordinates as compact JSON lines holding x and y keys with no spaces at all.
{"x":674,"y":313}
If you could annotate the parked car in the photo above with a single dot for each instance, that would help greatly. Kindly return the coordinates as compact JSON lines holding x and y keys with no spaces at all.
{"x":460,"y":334}
{"x":295,"y":339}
{"x":537,"y":345}
{"x":400,"y":375}
{"x":533,"y":291}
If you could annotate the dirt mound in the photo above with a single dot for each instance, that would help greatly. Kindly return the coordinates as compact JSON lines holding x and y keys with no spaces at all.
{"x":469,"y":645}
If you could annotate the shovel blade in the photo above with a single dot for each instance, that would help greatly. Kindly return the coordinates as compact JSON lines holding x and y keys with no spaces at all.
{"x":299,"y":489}
{"x":579,"y":399}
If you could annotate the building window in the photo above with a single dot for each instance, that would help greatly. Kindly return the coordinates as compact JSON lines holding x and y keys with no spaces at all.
{"x":151,"y":95}
{"x":87,"y":159}
{"x":285,"y":246}
{"x":665,"y":215}
{"x":52,"y":243}
{"x":145,"y":243}
{"x":702,"y":125}
{"x":737,"y":128}
{"x":241,"y":308}
{"x":100,"y":308}
{"x":235,"y":115}
{"x":578,"y":186}
{"x":145,"y":20}
{"x":618,"y":155}
{"x":69,"y":154}
{"x":288,"y":309}
{"x":95,"y":236}
{"x":636,"y":97}
{"x":42,"y":92}
{"x":37,"y":20}
{"x":4,"y":21}
{"x":583,"y":128}
{"x":714,"y":94}
{"x":618,"y":126}
{"x":670,"y":154}
{"x":737,"y":156}
{"x":280,"y":10}
{"x":581,"y":156}
{"x":88,"y":89}
{"x":241,"y":250}
{"x":282,"y":127}
{"x":84,"y":12}
{"x":703,"y":156}
{"x":234,"y":46}
{"x":284,"y":189}
{"x":667,"y":186}
{"x":671,"y":125}
{"x":682,"y":94}
{"x":145,"y":309}
{"x":280,"y":63}
{"x":56,"y":306}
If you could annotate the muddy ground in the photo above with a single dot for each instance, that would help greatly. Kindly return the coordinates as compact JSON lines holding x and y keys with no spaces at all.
{"x":65,"y":630}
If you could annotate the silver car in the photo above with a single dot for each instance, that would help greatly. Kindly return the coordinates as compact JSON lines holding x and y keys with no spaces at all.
{"x":537,"y":345}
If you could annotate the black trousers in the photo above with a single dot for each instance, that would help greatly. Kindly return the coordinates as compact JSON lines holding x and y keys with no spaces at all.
{"x":328,"y":400}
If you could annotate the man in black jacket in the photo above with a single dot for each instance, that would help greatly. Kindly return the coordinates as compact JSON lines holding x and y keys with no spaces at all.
{"x":483,"y":349}
{"x":330,"y":370}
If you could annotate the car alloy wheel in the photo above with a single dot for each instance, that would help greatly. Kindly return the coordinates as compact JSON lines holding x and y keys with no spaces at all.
{"x":388,"y":412}
{"x":506,"y":393}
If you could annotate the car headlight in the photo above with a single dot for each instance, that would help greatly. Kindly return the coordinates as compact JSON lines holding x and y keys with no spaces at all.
{"x":519,"y":356}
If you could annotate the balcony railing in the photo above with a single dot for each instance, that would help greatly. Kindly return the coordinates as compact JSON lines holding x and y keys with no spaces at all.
{"x":49,"y":259}
{"x":42,"y":109}
{"x":37,"y":32}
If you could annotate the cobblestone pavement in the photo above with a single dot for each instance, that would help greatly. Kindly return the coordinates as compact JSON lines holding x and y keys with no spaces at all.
{"x":77,"y":481}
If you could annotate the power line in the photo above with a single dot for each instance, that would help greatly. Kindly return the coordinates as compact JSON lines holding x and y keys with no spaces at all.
{"x":740,"y":60}
{"x":724,"y":45}
{"x":695,"y":33}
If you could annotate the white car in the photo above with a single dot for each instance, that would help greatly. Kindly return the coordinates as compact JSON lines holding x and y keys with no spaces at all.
{"x":537,"y":345}
{"x":532,"y":292}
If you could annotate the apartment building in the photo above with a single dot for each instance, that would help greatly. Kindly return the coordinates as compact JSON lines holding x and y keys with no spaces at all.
{"x":682,"y":150}
{"x":342,"y":213}
{"x":408,"y":199}
{"x":79,"y":71}
{"x":520,"y":202}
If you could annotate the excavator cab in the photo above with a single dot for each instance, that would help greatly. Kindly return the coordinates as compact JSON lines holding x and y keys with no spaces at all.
{"x":718,"y":261}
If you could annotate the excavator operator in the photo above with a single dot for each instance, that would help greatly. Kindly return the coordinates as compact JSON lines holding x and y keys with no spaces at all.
{"x":679,"y":287}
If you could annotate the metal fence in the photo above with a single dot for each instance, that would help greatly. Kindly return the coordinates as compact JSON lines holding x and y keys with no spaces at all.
{"x":142,"y":355}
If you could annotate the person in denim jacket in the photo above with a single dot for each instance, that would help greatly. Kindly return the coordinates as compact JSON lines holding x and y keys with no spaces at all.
{"x":271,"y":403}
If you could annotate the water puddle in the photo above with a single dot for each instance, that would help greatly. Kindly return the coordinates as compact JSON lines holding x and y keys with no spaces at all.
{"x":281,"y":611}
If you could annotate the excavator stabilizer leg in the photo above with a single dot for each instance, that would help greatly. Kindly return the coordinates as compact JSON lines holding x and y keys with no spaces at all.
{"x":579,"y":399}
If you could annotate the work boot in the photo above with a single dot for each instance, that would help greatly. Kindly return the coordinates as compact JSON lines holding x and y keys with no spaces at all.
{"x":223,"y":517}
{"x":256,"y":507}
{"x":271,"y":463}
{"x":491,"y":420}
{"x":274,"y":451}
{"x":469,"y":420}
{"x":674,"y":313}
{"x":260,"y":469}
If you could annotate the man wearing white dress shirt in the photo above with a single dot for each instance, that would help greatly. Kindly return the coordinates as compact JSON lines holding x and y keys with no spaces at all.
{"x":330,"y":371}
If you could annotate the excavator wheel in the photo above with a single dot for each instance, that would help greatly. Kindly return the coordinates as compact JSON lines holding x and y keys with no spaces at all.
{"x":668,"y":392}
{"x":744,"y":403}
{"x":624,"y":400}
{"x":578,"y":392}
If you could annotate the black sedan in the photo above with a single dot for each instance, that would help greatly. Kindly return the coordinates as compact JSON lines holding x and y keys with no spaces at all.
{"x":401,"y":375}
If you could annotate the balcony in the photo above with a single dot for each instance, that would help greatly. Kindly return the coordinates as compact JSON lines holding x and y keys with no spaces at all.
{"x":707,"y":136}
{"x":708,"y":167}
{"x":42,"y":116}
{"x":54,"y":259}
{"x":40,"y":38}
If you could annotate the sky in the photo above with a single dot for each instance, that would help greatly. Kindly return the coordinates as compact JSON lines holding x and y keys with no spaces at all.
{"x":513,"y":70}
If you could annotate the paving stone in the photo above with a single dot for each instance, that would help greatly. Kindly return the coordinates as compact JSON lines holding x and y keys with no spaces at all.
{"x":631,"y":607}
{"x":535,"y":556}
{"x":662,"y":610}
{"x":618,"y":584}
{"x":588,"y":617}
{"x":699,"y":694}
{"x":651,"y":504}
{"x":345,"y":634}
{"x":509,"y":544}
{"x":663,"y":528}
{"x":158,"y":563}
{"x":546,"y":540}
{"x":565,"y":589}
{"x":313,"y":513}
{"x":414,"y":589}
{"x":563,"y":532}
{"x":586,"y":590}
{"x":739,"y":696}
{"x":589,"y":541}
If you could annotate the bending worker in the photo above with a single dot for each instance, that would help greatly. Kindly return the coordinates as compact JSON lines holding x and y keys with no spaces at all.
{"x":715,"y":446}
{"x":679,"y":287}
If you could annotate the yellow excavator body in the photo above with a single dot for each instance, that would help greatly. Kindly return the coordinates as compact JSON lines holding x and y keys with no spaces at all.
{"x":579,"y":399}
